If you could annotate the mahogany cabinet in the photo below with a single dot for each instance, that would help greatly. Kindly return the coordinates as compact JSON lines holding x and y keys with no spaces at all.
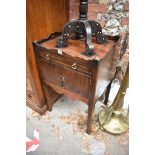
{"x":67,"y":71}
{"x":42,"y":18}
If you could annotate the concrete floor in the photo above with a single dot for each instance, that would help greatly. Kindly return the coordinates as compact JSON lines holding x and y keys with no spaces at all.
{"x":60,"y":134}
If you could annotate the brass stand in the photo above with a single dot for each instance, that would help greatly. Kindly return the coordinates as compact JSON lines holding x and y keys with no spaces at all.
{"x":113,"y":119}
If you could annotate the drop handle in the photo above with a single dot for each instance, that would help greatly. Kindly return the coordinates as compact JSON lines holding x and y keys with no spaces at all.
{"x":74,"y":66}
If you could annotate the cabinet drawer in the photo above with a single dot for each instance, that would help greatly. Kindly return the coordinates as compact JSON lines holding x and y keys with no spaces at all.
{"x":62,"y":61}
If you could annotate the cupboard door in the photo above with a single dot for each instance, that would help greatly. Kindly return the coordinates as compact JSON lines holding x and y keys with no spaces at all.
{"x":76,"y":82}
{"x":50,"y":72}
{"x":34,"y":92}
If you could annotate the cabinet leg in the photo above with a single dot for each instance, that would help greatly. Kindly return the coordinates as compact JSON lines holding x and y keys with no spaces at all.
{"x":91,"y":107}
{"x":92,"y":100}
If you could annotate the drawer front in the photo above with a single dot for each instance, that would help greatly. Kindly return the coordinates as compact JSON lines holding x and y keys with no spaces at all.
{"x":49,"y":71}
{"x":76,"y":82}
{"x":68,"y":74}
{"x":62,"y":61}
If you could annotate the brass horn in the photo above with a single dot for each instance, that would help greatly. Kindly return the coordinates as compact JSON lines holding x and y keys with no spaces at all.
{"x":113,"y":119}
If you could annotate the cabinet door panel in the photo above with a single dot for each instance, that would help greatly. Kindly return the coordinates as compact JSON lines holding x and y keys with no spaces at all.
{"x":76,"y":82}
{"x":50,"y":72}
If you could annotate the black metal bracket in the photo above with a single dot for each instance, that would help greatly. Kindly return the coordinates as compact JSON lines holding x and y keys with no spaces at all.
{"x":124,"y":44}
{"x":81,"y":29}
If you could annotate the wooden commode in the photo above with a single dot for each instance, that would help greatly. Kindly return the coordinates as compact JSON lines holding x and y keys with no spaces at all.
{"x":67,"y":71}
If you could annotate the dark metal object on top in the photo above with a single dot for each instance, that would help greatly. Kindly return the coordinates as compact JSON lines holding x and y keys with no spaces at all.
{"x":82,"y":28}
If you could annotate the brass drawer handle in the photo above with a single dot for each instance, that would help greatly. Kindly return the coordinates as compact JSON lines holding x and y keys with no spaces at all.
{"x":74,"y":66}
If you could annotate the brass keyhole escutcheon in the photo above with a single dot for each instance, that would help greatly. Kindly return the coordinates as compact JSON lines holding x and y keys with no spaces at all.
{"x":63,"y":79}
{"x":74,"y":66}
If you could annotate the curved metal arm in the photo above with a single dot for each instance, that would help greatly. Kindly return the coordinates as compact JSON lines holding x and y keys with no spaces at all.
{"x":79,"y":26}
{"x":88,"y":41}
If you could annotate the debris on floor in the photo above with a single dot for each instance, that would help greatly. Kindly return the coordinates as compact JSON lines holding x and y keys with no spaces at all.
{"x":62,"y":132}
{"x":45,"y":117}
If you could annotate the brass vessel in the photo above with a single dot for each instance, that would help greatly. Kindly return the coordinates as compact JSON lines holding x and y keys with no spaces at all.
{"x":113,"y":119}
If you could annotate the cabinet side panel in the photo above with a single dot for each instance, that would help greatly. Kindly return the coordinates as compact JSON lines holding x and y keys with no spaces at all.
{"x":42,"y":18}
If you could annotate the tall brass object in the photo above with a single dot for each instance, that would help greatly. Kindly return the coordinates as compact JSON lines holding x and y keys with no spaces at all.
{"x":112,"y":119}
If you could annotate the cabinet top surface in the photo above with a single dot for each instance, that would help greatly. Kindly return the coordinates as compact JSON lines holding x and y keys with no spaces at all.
{"x":76,"y":47}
